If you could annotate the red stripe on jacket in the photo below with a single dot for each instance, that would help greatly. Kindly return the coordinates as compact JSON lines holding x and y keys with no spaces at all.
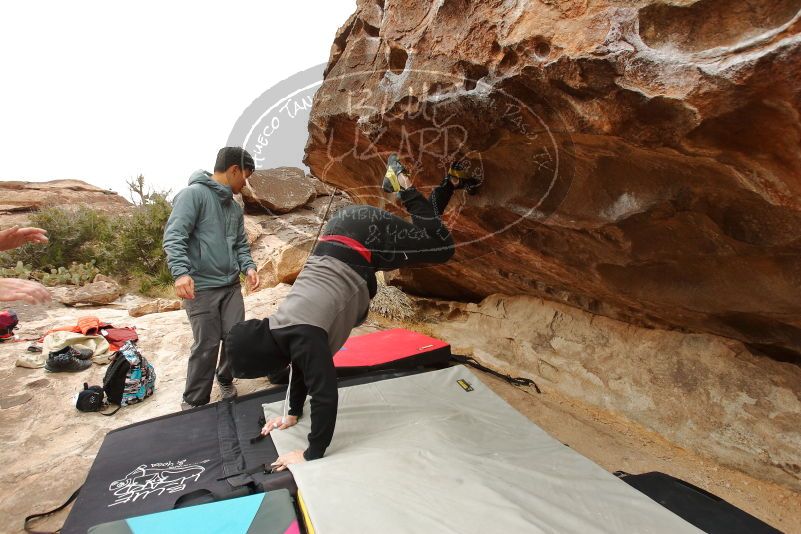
{"x":352,"y":243}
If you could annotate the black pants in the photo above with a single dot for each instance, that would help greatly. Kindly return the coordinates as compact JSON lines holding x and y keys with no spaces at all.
{"x":394,"y":242}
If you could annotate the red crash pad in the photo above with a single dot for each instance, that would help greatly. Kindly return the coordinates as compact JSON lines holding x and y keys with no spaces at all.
{"x":390,"y":349}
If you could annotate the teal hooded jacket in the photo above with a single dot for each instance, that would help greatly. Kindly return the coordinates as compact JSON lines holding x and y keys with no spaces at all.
{"x":205,"y":234}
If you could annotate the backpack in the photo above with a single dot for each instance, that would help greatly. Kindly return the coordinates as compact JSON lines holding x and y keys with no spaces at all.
{"x":8,"y":321}
{"x":129,"y":378}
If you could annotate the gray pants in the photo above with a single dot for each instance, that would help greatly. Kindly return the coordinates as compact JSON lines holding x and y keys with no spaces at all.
{"x":211,"y":313}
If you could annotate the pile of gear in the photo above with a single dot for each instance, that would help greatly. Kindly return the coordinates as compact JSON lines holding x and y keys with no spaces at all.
{"x":129,"y":378}
{"x":73,"y":348}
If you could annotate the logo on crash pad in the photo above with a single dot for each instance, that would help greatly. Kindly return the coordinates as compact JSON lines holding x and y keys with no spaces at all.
{"x":155,"y":478}
{"x":465,"y":384}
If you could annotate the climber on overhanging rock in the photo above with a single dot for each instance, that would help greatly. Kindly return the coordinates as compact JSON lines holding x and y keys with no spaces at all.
{"x":332,"y":294}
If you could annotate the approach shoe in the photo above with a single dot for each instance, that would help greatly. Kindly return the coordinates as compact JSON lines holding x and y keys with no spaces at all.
{"x":65,"y":361}
{"x":82,"y":354}
{"x":187,"y":406}
{"x":227,"y":391}
{"x":391,"y":182}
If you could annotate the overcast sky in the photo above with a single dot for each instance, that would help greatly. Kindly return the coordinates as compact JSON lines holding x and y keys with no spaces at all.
{"x":102,"y":91}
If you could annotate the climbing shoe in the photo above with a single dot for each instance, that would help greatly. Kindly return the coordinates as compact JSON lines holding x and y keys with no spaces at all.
{"x":458,"y":176}
{"x":394,"y":168}
{"x":457,"y":170}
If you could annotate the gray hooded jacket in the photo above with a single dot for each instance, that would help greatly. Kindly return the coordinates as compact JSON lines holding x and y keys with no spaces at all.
{"x":205,"y":234}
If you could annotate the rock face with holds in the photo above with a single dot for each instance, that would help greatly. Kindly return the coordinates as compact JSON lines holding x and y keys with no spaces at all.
{"x":641,"y":160}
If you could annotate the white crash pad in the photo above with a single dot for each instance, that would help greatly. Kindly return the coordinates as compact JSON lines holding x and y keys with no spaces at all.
{"x":422,"y":454}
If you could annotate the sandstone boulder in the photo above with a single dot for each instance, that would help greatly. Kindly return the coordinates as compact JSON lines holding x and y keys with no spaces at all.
{"x":321,"y":187}
{"x":641,"y":159}
{"x":95,"y":293}
{"x":155,"y":306}
{"x":279,"y":190}
{"x":280,"y":245}
{"x":285,"y":265}
{"x":100,"y":277}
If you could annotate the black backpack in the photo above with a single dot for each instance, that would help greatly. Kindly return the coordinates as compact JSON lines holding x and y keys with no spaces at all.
{"x":129,"y":378}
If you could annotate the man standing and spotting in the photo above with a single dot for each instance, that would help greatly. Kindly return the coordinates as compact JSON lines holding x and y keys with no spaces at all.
{"x":206,"y":251}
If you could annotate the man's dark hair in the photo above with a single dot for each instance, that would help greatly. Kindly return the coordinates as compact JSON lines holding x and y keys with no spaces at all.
{"x":234,"y":155}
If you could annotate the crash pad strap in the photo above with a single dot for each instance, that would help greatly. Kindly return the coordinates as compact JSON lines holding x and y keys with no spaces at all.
{"x":514,"y":380}
{"x":234,"y":467}
{"x":45,"y":514}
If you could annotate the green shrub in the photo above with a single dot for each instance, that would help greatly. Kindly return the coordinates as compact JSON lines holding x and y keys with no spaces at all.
{"x":138,"y":239}
{"x":74,"y":237}
{"x":138,"y":250}
{"x":86,"y":241}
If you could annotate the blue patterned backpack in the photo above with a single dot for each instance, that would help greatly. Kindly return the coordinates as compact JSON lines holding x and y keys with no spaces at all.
{"x":129,"y":378}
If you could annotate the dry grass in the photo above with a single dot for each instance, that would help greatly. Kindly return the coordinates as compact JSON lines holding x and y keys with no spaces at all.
{"x":392,"y":303}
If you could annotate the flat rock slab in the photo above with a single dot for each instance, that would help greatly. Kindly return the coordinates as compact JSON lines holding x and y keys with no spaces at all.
{"x":279,"y":190}
{"x":155,"y":306}
{"x":101,"y":292}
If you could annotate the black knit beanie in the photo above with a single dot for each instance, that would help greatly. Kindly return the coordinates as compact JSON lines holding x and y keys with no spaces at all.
{"x":252,"y":351}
